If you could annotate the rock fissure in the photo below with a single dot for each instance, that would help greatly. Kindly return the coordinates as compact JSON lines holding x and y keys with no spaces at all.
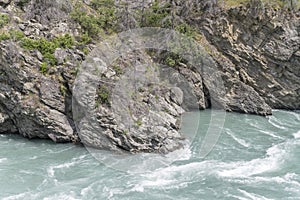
{"x":256,"y":51}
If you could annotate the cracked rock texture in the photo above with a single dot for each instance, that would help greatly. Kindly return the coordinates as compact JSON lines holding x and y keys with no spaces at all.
{"x":263,"y":54}
{"x":257,"y":57}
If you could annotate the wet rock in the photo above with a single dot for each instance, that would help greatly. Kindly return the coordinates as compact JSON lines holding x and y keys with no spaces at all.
{"x":6,"y":124}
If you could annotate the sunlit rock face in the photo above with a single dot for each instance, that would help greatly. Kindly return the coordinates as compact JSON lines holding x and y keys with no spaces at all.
{"x":262,"y":50}
{"x":256,"y":56}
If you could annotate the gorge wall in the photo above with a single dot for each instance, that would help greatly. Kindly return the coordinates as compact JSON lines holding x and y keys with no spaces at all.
{"x":43,"y":47}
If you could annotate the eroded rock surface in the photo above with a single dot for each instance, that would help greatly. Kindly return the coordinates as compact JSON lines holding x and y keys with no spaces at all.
{"x":264,"y":52}
{"x":257,"y":58}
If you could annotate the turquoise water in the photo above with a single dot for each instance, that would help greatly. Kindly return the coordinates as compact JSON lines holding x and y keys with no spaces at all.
{"x":254,"y":158}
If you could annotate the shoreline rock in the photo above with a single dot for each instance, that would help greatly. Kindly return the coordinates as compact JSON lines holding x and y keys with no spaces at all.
{"x":258,"y":60}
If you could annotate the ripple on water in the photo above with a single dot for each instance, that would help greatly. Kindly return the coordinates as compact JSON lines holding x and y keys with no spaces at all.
{"x":276,"y":123}
{"x":273,"y":160}
{"x":264,"y":165}
{"x":238,"y":140}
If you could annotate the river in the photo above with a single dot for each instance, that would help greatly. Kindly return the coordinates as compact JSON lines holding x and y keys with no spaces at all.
{"x":254,"y":158}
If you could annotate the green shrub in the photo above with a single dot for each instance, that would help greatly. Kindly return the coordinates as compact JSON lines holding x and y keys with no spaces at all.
{"x":278,"y":4}
{"x":160,"y":15}
{"x":50,"y":58}
{"x":63,"y":90}
{"x":117,"y":69}
{"x":172,"y":59}
{"x":43,"y":45}
{"x":84,"y":39}
{"x":103,"y":95}
{"x":106,"y":11}
{"x":138,"y":122}
{"x":185,"y":29}
{"x":85,"y":51}
{"x":16,"y":35}
{"x":4,"y":36}
{"x":46,"y":47}
{"x":155,"y":14}
{"x":87,"y":21}
{"x":44,"y":68}
{"x":4,"y":19}
{"x":103,"y":19}
{"x":231,"y":3}
{"x":64,"y":41}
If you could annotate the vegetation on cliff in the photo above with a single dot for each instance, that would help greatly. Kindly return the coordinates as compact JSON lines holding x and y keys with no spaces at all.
{"x":254,"y":45}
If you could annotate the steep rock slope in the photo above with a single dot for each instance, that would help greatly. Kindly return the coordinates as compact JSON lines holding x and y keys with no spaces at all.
{"x":257,"y":58}
{"x":265,"y":52}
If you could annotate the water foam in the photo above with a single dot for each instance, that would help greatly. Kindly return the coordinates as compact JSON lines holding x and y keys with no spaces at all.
{"x":173,"y":176}
{"x":276,"y":123}
{"x":51,"y":169}
{"x":270,"y":134}
{"x":238,"y":140}
{"x":294,"y":113}
{"x":61,"y":196}
{"x":142,"y":162}
{"x":252,"y":196}
{"x":270,"y":162}
{"x":297,"y":135}
{"x":288,"y":182}
{"x":21,"y":196}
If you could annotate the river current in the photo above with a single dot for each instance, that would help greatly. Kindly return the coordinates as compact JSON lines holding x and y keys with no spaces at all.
{"x":254,"y":158}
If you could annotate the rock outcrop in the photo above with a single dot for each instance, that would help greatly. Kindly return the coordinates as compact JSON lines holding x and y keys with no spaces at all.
{"x":133,"y":108}
{"x":263,"y":50}
{"x":31,"y":104}
{"x":257,"y":58}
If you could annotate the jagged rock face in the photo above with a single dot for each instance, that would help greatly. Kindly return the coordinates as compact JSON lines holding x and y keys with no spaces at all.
{"x":45,"y":11}
{"x":258,"y":61}
{"x":264,"y":51}
{"x":30,"y":103}
{"x":134,"y":110}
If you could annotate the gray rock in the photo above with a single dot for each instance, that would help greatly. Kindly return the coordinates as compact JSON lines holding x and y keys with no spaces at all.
{"x":5,"y":2}
{"x":265,"y":58}
{"x":22,"y":27}
{"x":60,"y":55}
{"x":257,"y":60}
{"x":138,"y":116}
{"x":176,"y":95}
{"x":32,"y":103}
{"x":46,"y":12}
{"x":39,"y":55}
{"x":6,"y":124}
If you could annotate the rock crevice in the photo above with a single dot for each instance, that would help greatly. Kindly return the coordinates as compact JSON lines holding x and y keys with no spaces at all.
{"x":257,"y":58}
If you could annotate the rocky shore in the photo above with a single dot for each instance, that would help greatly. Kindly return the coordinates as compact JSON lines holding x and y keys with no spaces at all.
{"x":257,"y":56}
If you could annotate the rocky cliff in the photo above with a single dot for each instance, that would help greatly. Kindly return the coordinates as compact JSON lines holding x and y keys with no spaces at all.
{"x":44,"y":43}
{"x":264,"y":51}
